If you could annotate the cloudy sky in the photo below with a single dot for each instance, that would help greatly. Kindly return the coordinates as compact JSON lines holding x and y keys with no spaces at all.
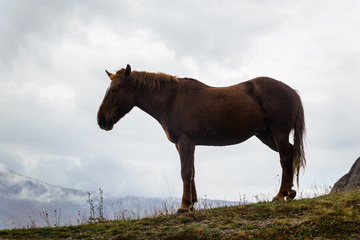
{"x":52,"y":80}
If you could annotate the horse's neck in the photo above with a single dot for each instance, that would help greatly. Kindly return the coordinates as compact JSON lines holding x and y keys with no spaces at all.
{"x":154,"y":102}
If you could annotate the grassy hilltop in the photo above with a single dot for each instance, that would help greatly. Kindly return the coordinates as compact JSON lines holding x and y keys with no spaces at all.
{"x":334,"y":216}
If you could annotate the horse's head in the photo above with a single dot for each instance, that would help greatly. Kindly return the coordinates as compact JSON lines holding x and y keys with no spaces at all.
{"x":119,"y":99}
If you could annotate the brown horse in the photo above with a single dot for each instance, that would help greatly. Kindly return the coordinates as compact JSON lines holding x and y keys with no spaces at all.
{"x":192,"y":113}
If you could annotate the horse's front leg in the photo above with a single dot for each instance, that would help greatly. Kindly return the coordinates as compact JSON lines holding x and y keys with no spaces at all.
{"x":186,"y":151}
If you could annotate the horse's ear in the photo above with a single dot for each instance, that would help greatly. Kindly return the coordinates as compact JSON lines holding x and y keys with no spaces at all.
{"x":127,"y":71}
{"x":109,"y":74}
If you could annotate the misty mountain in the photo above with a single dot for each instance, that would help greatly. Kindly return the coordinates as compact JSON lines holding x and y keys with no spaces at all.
{"x":24,"y":201}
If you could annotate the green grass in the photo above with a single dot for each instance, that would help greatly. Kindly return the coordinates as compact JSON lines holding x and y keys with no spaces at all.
{"x":334,"y":216}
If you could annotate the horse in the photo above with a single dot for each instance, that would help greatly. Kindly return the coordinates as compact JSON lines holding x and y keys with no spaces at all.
{"x":193,"y":113}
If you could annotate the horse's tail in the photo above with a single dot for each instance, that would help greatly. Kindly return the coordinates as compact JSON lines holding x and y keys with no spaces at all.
{"x":299,"y":133}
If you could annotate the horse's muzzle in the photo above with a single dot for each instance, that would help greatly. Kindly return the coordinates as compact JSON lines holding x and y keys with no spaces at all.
{"x":104,"y":124}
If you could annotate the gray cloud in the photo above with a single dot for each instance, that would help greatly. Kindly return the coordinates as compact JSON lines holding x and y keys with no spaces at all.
{"x":53,"y":56}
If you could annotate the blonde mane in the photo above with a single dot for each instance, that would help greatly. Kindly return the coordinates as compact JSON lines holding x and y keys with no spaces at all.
{"x":152,"y":81}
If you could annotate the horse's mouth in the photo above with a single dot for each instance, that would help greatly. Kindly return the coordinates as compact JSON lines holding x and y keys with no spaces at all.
{"x":107,"y":128}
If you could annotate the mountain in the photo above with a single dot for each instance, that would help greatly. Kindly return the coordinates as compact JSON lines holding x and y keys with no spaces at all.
{"x":23,"y":199}
{"x":27,"y":202}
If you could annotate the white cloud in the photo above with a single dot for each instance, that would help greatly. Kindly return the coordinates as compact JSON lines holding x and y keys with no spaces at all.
{"x":53,"y":57}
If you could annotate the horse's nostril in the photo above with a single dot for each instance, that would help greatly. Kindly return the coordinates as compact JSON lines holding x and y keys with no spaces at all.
{"x":101,"y":120}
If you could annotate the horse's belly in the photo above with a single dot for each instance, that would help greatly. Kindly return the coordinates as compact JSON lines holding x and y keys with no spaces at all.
{"x":230,"y":133}
{"x":226,"y":139}
{"x":221,"y":141}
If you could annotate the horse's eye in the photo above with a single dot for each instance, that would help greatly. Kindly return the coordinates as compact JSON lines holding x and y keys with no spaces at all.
{"x":114,"y":90}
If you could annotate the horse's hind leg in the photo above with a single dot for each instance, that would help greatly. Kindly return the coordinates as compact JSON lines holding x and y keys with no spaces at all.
{"x":285,"y":150}
{"x":266,"y":136}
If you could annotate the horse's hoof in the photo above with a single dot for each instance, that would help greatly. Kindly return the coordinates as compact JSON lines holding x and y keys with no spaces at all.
{"x":291,"y":195}
{"x":181,"y":211}
{"x":278,"y":199}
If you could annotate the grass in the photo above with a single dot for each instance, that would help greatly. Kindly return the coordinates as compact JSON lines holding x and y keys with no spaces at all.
{"x":334,"y":216}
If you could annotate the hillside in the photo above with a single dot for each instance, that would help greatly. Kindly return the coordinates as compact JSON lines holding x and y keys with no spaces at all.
{"x":334,"y":216}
